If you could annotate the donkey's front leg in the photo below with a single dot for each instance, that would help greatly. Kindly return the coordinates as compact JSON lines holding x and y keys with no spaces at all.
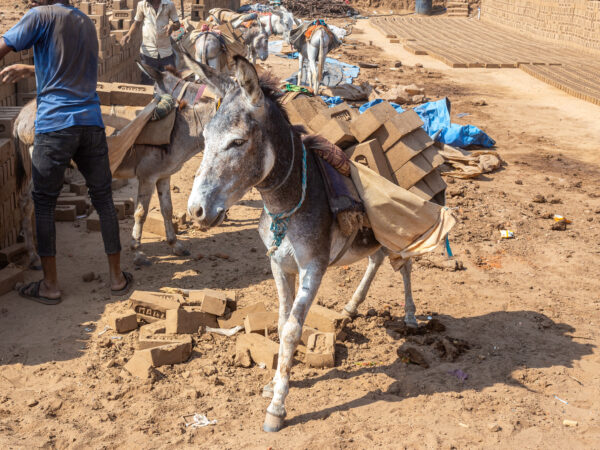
{"x":163,"y":187}
{"x":145,"y":189}
{"x":286,"y":286}
{"x":310,"y":279}
{"x":301,"y":63}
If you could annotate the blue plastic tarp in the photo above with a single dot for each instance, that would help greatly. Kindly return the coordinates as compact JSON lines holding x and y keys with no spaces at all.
{"x":436,"y":118}
{"x":332,"y":101}
{"x":334,"y":73}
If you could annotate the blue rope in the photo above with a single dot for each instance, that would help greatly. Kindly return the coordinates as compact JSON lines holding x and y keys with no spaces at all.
{"x":280,"y":221}
{"x":448,"y":249}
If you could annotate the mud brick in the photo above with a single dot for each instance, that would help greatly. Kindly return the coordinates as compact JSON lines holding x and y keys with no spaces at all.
{"x":397,"y":127}
{"x":128,"y":202}
{"x":208,"y":301}
{"x":125,"y":14}
{"x":171,"y":353}
{"x":422,"y":190}
{"x":120,"y":208}
{"x":435,"y":182}
{"x":25,"y":97}
{"x":67,"y":213}
{"x":85,"y":7}
{"x":432,"y":154}
{"x":104,"y":91}
{"x":118,"y":183}
{"x":12,"y":253}
{"x":116,"y":24}
{"x":320,"y":350}
{"x":6,"y":124}
{"x":126,"y":24}
{"x":123,"y":323}
{"x":238,"y":316}
{"x":132,"y":4}
{"x":306,"y":333}
{"x":26,"y":85}
{"x":100,"y":22}
{"x":92,"y":223}
{"x":324,"y":319}
{"x":153,"y":306}
{"x":302,"y":109}
{"x":155,"y":224}
{"x":99,"y":9}
{"x":140,"y":366}
{"x":131,"y":94}
{"x":399,"y":154}
{"x":413,"y":171}
{"x":260,"y":322}
{"x":262,"y":350}
{"x":371,"y":120}
{"x":370,"y":154}
{"x":338,"y":132}
{"x":152,"y":329}
{"x":157,"y":340}
{"x":187,"y":320}
{"x":79,"y":201}
{"x":78,"y":188}
{"x":9,"y":277}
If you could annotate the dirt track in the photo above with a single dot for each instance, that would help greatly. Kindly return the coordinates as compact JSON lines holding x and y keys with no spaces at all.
{"x":528,"y":308}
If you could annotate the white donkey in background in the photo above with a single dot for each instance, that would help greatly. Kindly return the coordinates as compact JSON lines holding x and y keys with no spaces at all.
{"x":315,"y":49}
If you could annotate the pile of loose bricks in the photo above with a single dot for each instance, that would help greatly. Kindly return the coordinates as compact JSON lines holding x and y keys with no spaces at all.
{"x":568,"y":22}
{"x":392,"y":144}
{"x":457,"y":8}
{"x":200,"y":8}
{"x":169,"y":322}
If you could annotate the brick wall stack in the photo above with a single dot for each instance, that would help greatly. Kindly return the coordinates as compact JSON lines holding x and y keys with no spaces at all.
{"x":574,"y":23}
{"x":10,"y":218}
{"x":20,"y":93}
{"x":200,"y":8}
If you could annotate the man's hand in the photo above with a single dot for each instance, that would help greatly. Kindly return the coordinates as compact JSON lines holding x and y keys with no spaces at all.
{"x":125,"y":40}
{"x":16,"y":72}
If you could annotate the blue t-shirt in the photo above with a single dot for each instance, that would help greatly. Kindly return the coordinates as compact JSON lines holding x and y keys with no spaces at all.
{"x":65,"y":51}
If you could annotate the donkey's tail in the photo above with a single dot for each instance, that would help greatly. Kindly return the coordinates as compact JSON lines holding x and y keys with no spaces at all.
{"x":20,"y":171}
{"x":320,"y":62}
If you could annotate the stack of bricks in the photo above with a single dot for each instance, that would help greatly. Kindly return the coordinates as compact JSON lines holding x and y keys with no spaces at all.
{"x":457,"y":8}
{"x":10,"y":217}
{"x":393,"y":145}
{"x":574,"y":23}
{"x":20,"y":93}
{"x":115,"y":62}
{"x":200,"y":8}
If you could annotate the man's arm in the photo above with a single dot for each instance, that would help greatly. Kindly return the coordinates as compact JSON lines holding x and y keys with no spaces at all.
{"x":174,"y":18}
{"x":134,"y":27}
{"x":16,"y":72}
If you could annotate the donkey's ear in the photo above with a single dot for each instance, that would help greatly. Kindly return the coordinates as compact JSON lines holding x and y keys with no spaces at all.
{"x":150,"y":71}
{"x":216,"y":81}
{"x":248,"y":79}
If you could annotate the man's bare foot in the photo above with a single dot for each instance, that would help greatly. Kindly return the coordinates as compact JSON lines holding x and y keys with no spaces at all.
{"x":123,"y":285}
{"x":52,"y":292}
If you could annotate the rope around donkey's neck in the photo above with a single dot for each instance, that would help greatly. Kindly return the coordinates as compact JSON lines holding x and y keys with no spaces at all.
{"x":280,"y":221}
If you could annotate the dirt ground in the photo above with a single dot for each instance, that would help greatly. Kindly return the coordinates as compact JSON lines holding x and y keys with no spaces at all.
{"x":523,"y":316}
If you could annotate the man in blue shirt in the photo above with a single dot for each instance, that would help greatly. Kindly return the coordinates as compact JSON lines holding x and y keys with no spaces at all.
{"x":68,"y":127}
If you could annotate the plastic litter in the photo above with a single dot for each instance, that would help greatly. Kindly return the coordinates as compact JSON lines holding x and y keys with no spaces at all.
{"x":462,"y":376}
{"x":262,"y":365}
{"x":561,"y":400}
{"x":88,"y":329}
{"x":106,"y":328}
{"x":507,"y":234}
{"x":198,"y":421}
{"x":570,"y":423}
{"x":559,"y":218}
{"x":224,"y":331}
{"x":116,"y":338}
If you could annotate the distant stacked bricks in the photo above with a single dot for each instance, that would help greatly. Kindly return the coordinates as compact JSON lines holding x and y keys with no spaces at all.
{"x":570,"y":22}
{"x":200,"y":8}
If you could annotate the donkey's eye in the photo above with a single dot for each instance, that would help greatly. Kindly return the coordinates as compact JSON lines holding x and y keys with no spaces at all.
{"x":237,"y":143}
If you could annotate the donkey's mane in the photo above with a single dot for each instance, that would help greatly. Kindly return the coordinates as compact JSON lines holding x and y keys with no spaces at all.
{"x":269,"y":84}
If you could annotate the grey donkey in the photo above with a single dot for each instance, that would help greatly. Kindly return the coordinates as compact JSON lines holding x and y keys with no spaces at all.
{"x":250,"y":143}
{"x":257,"y":42}
{"x":152,"y":166}
{"x":315,"y":50}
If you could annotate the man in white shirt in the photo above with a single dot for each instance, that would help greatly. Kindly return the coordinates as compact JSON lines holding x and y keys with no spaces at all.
{"x":156,"y":51}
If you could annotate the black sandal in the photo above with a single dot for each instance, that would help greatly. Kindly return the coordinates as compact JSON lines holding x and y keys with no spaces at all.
{"x":127,"y":287}
{"x":31,"y":291}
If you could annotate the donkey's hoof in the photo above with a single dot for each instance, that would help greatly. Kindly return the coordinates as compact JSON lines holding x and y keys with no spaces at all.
{"x":272,"y":423}
{"x":180,"y":251}
{"x":141,"y":260}
{"x":348,"y":314}
{"x":411,"y":322}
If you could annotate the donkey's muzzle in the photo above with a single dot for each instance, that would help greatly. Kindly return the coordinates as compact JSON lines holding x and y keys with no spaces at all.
{"x":199,"y":214}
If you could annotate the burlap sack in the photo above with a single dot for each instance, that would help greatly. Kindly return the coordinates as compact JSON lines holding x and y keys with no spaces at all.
{"x":157,"y":132}
{"x":402,"y":222}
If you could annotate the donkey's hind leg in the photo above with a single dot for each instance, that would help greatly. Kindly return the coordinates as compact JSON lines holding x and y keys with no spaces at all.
{"x":163,"y":187}
{"x":26,"y":207}
{"x":360,"y":294}
{"x":409,"y":304}
{"x":145,"y":190}
{"x":286,"y":286}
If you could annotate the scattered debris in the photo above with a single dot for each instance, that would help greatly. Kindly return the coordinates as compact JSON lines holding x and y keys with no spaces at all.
{"x":198,"y":421}
{"x":462,"y":376}
{"x":412,"y":355}
{"x":539,"y":198}
{"x":561,"y":400}
{"x":570,"y":423}
{"x":559,"y":226}
{"x":317,"y":8}
{"x":494,"y":428}
{"x":224,"y":332}
{"x":507,"y":234}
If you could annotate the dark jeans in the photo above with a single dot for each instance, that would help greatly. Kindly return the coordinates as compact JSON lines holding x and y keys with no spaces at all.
{"x":52,"y":153}
{"x":156,"y":63}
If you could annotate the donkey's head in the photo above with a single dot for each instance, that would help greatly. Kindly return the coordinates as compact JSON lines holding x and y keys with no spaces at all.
{"x":260,"y":42}
{"x":238,"y":152}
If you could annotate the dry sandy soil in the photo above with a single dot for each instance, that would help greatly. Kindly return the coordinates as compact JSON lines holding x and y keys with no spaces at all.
{"x":527,"y":309}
